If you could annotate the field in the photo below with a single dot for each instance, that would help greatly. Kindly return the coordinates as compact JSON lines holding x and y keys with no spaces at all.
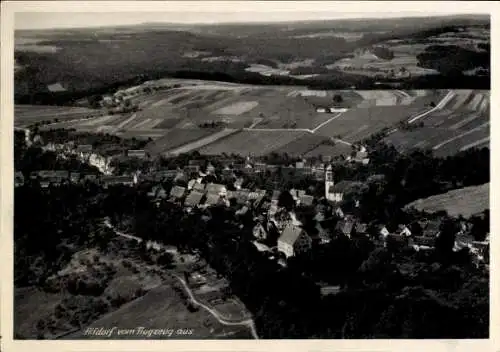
{"x":29,"y":114}
{"x":250,"y":142}
{"x":465,"y":201}
{"x":462,"y":123}
{"x":162,"y":308}
{"x":176,"y":138}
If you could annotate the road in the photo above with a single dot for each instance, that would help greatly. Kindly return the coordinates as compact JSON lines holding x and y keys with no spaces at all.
{"x":246,"y":322}
{"x":439,"y":106}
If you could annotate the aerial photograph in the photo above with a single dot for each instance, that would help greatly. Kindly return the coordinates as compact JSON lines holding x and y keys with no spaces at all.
{"x":316,"y":176}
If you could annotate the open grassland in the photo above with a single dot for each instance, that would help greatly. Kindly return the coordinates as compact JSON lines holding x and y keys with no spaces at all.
{"x":163,"y":308}
{"x":336,"y":150}
{"x":252,"y":142}
{"x":462,"y":123}
{"x":465,"y":201}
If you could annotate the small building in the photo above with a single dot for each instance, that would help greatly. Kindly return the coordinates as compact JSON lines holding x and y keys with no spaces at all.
{"x":345,"y":227}
{"x":214,"y":188}
{"x":422,"y":242}
{"x":238,"y":183}
{"x":403,"y":230}
{"x":243,"y":211}
{"x":259,"y":232}
{"x":294,"y":240}
{"x":431,"y":228}
{"x":338,"y":191}
{"x":75,"y":177}
{"x":361,"y":229}
{"x":191,"y":169}
{"x":212,"y":199}
{"x":137,"y":153}
{"x":177,"y":193}
{"x":193,"y":199}
{"x":306,"y":200}
{"x":124,"y":180}
{"x":338,"y":212}
{"x":157,"y":192}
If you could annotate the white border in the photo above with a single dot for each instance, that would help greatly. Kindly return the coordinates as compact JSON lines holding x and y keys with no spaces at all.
{"x":6,"y":165}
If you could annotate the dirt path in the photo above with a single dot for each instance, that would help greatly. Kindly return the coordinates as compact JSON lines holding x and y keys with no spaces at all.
{"x":246,"y":322}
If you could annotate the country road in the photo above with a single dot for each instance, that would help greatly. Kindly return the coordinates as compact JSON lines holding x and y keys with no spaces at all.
{"x":439,"y":106}
{"x":246,"y":322}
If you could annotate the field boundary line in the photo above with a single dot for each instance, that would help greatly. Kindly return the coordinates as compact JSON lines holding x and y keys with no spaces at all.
{"x":449,"y":140}
{"x":326,"y":122}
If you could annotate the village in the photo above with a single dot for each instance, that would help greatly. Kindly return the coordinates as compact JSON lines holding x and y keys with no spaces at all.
{"x":277,"y":213}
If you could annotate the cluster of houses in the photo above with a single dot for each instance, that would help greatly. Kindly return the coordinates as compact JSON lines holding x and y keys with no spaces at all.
{"x":85,"y":154}
{"x":277,"y":231}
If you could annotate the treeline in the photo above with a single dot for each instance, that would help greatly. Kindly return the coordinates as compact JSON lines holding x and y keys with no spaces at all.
{"x":452,"y":59}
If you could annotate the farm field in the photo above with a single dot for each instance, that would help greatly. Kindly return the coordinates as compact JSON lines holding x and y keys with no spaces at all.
{"x":163,"y":308}
{"x":176,"y":138}
{"x":464,"y":122}
{"x":465,"y":201}
{"x":301,"y":145}
{"x":333,"y":151}
{"x":252,"y":142}
{"x":360,"y":123}
{"x":25,"y":115}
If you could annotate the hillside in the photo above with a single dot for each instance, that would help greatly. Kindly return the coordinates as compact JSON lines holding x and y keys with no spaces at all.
{"x":59,"y":63}
{"x":465,"y":201}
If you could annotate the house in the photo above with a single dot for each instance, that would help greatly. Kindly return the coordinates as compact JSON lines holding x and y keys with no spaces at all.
{"x":241,"y":196}
{"x":294,"y":240}
{"x":338,"y":212}
{"x":337,"y":192}
{"x":238,"y":183}
{"x":84,"y":148}
{"x":431,"y":228}
{"x":345,"y":227}
{"x":214,"y":188}
{"x":157,"y":192}
{"x":463,"y":241}
{"x":200,"y":187}
{"x":361,"y":229}
{"x":137,"y":153}
{"x":323,"y":235}
{"x":259,"y":232}
{"x":422,"y":242}
{"x":212,"y":199}
{"x":177,"y":192}
{"x":75,"y":177}
{"x":89,"y":177}
{"x":210,"y":168}
{"x":193,"y":199}
{"x":191,"y":169}
{"x":18,"y":179}
{"x":403,"y":230}
{"x":259,"y":167}
{"x":181,"y":176}
{"x":124,"y":180}
{"x":306,"y":200}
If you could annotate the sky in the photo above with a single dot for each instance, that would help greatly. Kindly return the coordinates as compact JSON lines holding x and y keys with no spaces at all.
{"x":37,"y":15}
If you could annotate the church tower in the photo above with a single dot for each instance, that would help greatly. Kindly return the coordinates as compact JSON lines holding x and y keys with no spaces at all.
{"x":328,"y":182}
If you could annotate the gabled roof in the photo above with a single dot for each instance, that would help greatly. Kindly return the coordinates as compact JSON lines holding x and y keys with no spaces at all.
{"x":193,"y":198}
{"x":200,"y":187}
{"x":361,"y":227}
{"x":212,"y":199}
{"x":306,"y":200}
{"x":345,"y":226}
{"x":215,"y":188}
{"x":290,"y":234}
{"x":177,"y":191}
{"x":117,"y":179}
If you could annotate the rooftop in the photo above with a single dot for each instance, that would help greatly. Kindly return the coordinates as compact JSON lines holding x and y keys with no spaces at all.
{"x":290,"y":234}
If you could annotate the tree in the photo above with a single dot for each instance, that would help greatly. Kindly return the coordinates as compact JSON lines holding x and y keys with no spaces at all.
{"x":337,"y":99}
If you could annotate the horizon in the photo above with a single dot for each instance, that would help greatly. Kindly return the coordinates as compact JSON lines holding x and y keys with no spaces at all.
{"x":27,"y":21}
